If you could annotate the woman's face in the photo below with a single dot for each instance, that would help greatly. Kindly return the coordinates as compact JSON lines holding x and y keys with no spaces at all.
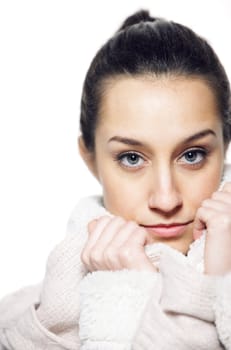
{"x":159,"y":153}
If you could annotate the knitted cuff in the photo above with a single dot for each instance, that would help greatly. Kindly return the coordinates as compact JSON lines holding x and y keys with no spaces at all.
{"x":59,"y":301}
{"x":29,"y":334}
{"x":185,"y":290}
{"x":111,"y":304}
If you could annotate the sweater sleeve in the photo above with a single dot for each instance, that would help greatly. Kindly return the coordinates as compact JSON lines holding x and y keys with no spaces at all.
{"x":222,"y":309}
{"x":49,"y":318}
{"x":184,"y":318}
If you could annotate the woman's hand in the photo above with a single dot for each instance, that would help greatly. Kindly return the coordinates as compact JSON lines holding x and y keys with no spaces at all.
{"x":116,"y":244}
{"x":214,"y":215}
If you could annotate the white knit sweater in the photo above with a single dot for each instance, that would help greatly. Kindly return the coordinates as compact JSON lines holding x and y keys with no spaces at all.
{"x":177,"y":308}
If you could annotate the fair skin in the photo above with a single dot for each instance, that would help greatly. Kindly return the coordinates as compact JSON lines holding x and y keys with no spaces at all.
{"x":159,"y":155}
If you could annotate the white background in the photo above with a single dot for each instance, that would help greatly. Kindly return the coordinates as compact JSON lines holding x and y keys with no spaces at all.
{"x":45,"y":49}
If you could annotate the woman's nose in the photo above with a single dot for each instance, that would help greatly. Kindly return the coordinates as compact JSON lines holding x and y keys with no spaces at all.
{"x":165,"y":196}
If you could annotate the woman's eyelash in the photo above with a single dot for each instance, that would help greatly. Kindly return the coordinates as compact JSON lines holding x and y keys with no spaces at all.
{"x":130,"y":159}
{"x":194,"y":157}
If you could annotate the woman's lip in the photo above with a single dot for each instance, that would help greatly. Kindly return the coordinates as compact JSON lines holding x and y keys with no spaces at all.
{"x":167,"y":231}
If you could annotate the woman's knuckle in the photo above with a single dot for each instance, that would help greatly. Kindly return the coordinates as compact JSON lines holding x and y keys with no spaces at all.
{"x":125,"y":254}
{"x":119,"y":219}
{"x":110,"y":258}
{"x":215,"y":195}
{"x":226,"y":220}
{"x":132,"y":223}
{"x":110,"y":253}
{"x":95,"y":256}
{"x":205,"y":202}
{"x":141,"y":231}
{"x":84,"y":256}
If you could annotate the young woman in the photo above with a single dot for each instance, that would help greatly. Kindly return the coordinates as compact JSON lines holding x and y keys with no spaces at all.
{"x":148,"y":265}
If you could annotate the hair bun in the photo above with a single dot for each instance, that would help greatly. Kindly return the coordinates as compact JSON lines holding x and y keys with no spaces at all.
{"x":137,"y":17}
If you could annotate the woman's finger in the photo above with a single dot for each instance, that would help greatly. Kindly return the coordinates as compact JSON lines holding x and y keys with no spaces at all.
{"x":98,"y":250}
{"x":218,"y":205}
{"x":132,"y":254}
{"x":199,"y":227}
{"x":95,"y":230}
{"x":112,"y":250}
{"x":92,"y":225}
{"x":222,"y":196}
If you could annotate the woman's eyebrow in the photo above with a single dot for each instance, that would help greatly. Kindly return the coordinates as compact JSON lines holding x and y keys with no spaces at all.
{"x":134,"y":142}
{"x":126,"y":141}
{"x":199,"y":135}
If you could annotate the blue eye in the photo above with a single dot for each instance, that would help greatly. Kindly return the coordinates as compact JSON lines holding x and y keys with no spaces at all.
{"x":193,"y":156}
{"x":130,"y":160}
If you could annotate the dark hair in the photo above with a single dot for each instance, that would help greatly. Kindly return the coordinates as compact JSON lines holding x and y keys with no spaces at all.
{"x":152,"y":46}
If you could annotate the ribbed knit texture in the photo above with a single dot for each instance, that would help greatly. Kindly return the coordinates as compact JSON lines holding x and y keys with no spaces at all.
{"x":222,"y":310}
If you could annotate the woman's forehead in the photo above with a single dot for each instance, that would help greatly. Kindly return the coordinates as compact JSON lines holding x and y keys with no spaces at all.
{"x":158,"y":104}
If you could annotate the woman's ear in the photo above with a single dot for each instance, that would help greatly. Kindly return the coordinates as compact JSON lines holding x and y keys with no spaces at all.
{"x":87,"y":156}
